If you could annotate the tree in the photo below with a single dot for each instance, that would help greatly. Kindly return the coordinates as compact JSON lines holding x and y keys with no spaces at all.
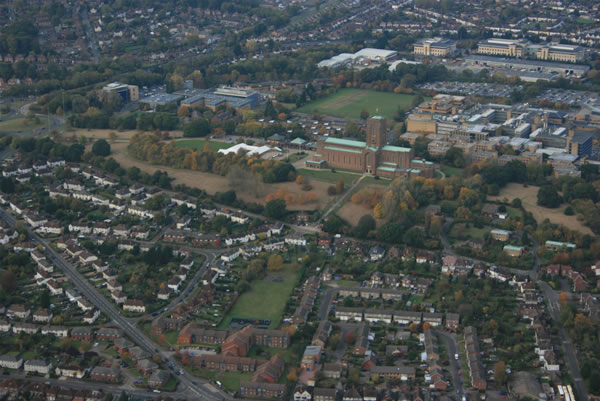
{"x":364,"y":114}
{"x":563,"y":298}
{"x":275,"y":263}
{"x":378,"y":211}
{"x":500,"y":372}
{"x":548,"y":197}
{"x":300,"y":180}
{"x":364,"y":226}
{"x":350,"y":337}
{"x":275,"y":208}
{"x":339,"y":187}
{"x":45,"y":299}
{"x":8,"y":281}
{"x":101,"y":148}
{"x":7,"y":185}
{"x":292,"y":376}
{"x":333,"y":225}
{"x":197,"y":128}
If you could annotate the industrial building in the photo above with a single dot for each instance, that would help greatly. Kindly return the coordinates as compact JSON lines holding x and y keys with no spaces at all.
{"x":521,"y":66}
{"x":364,"y":56}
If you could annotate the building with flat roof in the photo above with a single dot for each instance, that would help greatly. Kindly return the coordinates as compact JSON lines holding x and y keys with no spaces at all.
{"x":161,"y":99}
{"x":372,"y":156}
{"x":503,"y":47}
{"x":537,"y":66}
{"x":129,"y":93}
{"x":363,"y":56}
{"x":228,"y":96}
{"x":435,"y":47}
{"x":560,"y":52}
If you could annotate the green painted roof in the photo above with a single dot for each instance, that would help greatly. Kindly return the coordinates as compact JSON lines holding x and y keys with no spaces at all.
{"x":346,"y":142}
{"x":377,"y":118}
{"x":513,"y":248}
{"x":298,"y":141}
{"x":387,"y":168}
{"x":342,"y":149}
{"x":500,"y":232}
{"x":391,"y":148}
{"x":318,"y":154}
{"x":558,"y":243}
{"x":390,"y":163}
{"x":374,"y":149}
{"x":419,"y":161}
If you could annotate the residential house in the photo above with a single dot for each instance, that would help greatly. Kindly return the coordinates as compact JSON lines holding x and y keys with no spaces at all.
{"x":37,"y":366}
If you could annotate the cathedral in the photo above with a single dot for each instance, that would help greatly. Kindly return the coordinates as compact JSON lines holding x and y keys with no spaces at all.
{"x":371,"y":157}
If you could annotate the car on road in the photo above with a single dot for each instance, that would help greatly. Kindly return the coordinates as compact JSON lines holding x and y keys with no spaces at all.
{"x":456,"y":356}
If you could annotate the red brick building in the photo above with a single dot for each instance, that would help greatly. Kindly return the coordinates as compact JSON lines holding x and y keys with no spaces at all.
{"x":372,"y":156}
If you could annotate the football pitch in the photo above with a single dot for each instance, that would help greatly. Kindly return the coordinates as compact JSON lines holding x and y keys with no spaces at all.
{"x":348,"y":103}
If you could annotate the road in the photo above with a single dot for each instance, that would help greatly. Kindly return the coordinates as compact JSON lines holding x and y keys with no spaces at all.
{"x":452,"y":348}
{"x":202,"y":389}
{"x":91,"y":35}
{"x":86,"y":385}
{"x":568,"y":349}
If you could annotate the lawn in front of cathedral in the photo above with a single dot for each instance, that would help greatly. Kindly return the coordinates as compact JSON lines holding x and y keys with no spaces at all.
{"x":348,"y":103}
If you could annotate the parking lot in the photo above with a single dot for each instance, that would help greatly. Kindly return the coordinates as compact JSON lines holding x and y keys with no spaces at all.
{"x":471,"y":88}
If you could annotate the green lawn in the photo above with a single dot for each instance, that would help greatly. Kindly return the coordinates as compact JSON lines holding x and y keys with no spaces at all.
{"x":294,"y":157}
{"x":22,"y":124}
{"x":264,"y":300}
{"x":198,"y":144}
{"x":329,"y":176}
{"x":348,"y":103}
{"x":452,"y":171}
{"x":584,"y":21}
{"x":229,"y":380}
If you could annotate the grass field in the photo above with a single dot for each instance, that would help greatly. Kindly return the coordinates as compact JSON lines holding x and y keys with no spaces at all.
{"x":329,"y":176}
{"x":264,"y":300}
{"x":230,"y":380}
{"x":349,"y":103}
{"x":198,"y":144}
{"x":528,"y":196}
{"x":21,"y":124}
{"x":452,"y":171}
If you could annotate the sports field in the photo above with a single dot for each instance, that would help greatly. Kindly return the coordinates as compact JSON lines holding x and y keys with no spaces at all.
{"x":349,"y":103}
{"x":198,"y":144}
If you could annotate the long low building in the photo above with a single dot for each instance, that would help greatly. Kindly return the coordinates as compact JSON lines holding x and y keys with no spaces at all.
{"x":543,"y":67}
{"x":227,"y":96}
{"x":366,"y":55}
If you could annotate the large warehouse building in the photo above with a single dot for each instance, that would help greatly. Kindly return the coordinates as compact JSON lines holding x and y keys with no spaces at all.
{"x":364,"y":56}
{"x":372,"y":156}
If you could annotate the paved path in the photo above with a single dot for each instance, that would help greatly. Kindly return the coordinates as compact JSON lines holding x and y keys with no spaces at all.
{"x":341,"y":199}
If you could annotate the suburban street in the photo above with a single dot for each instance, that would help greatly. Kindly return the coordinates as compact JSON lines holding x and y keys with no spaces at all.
{"x":452,"y":348}
{"x":198,"y":387}
{"x":570,"y":355}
